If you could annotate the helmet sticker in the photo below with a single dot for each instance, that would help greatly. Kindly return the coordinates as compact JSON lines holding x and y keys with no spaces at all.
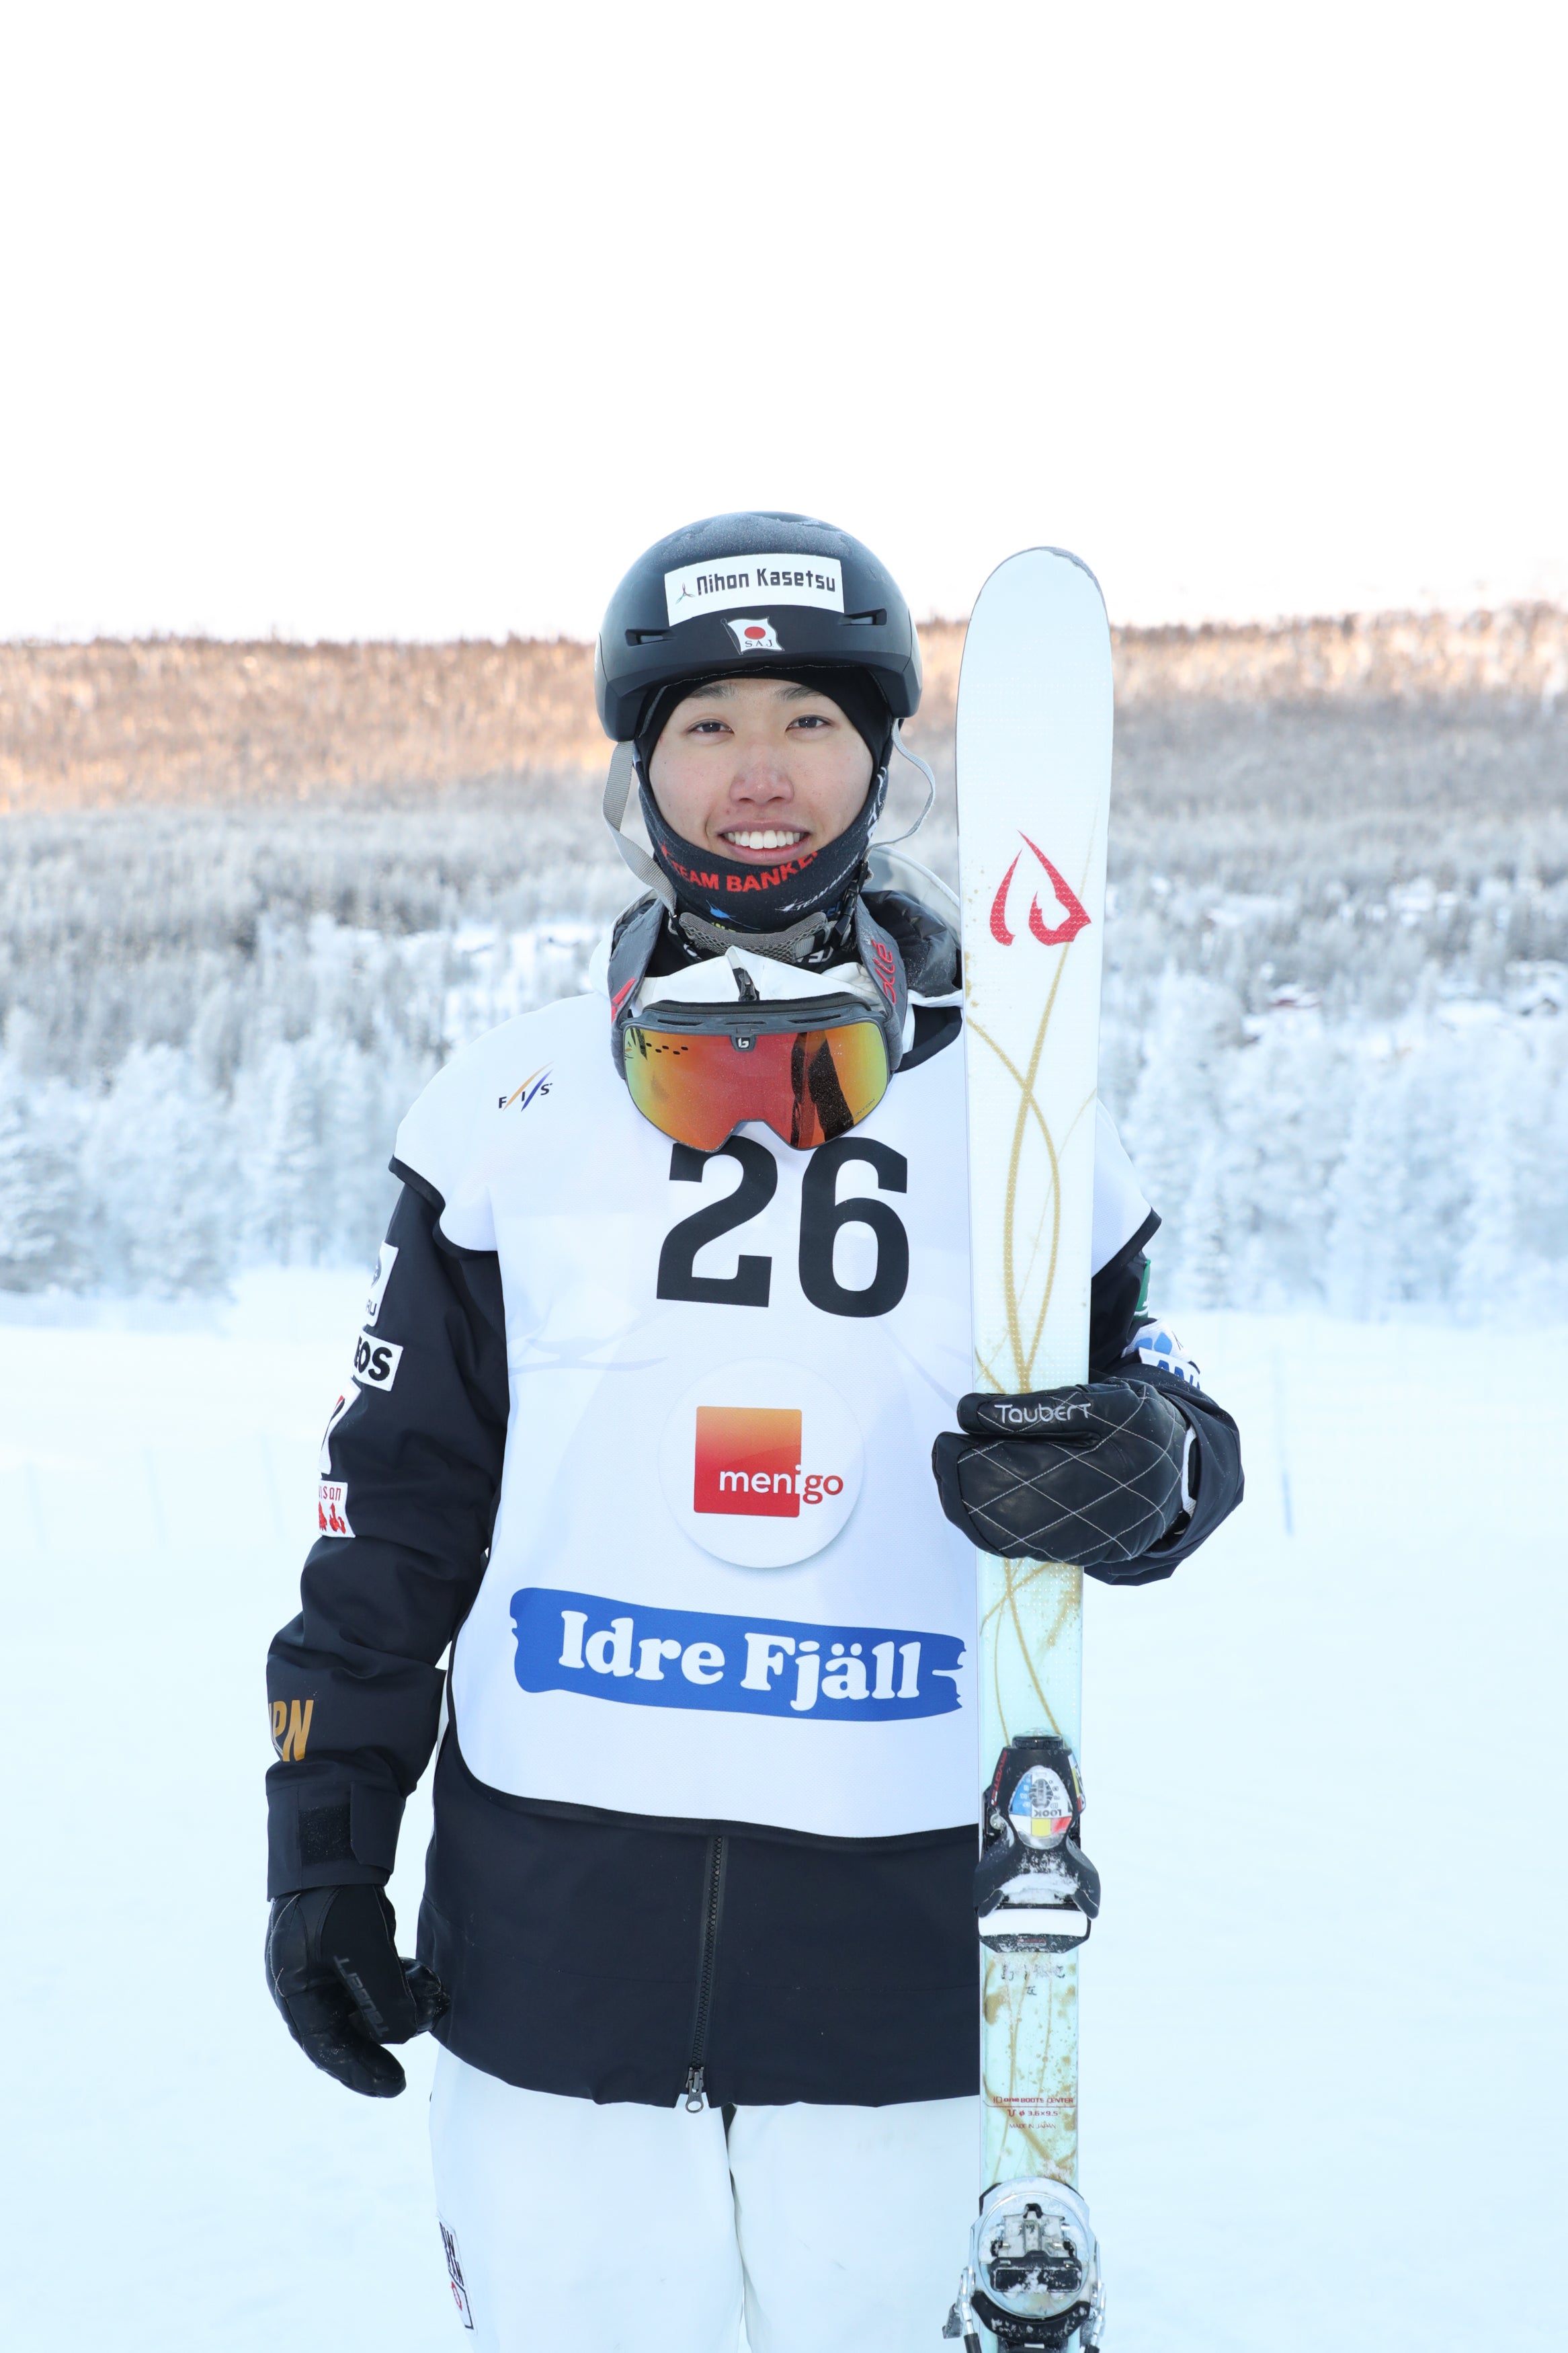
{"x":698,"y":588}
{"x":1040,"y":1807}
{"x":754,"y":637}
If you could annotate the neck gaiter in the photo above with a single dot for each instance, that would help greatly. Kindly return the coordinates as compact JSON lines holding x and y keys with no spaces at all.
{"x":762,"y":898}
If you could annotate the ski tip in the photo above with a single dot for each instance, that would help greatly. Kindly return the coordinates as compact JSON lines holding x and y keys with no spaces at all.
{"x":1032,"y":556}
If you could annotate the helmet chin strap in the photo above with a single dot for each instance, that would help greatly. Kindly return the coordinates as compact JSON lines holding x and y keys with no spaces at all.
{"x":617,"y":792}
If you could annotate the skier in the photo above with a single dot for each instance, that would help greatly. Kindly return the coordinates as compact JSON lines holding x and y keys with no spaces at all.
{"x":671,"y":1318}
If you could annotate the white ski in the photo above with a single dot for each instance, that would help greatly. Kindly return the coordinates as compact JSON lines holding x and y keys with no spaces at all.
{"x":1033,"y":785}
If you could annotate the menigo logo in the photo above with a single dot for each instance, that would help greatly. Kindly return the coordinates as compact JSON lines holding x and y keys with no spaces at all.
{"x":624,"y":1651}
{"x":748,"y":1460}
{"x":761,"y":1463}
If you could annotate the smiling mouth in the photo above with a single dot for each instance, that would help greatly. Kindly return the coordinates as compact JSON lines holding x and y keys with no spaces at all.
{"x":763,"y":837}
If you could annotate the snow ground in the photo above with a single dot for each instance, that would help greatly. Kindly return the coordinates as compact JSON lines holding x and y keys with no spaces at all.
{"x":1323,"y":2074}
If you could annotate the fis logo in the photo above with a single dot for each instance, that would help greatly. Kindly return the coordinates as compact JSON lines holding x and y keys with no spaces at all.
{"x":748,"y":1460}
{"x":536,"y":1084}
{"x":1073,"y":914}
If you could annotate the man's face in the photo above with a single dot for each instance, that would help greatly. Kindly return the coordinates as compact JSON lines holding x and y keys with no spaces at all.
{"x":758,"y":768}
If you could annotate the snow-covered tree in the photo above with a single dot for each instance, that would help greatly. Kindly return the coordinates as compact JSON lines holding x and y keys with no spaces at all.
{"x":43,"y":1213}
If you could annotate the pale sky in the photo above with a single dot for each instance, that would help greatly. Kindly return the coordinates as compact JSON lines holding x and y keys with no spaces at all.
{"x":358,"y":321}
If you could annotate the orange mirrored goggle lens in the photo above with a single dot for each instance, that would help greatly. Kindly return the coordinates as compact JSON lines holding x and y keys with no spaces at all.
{"x":806,"y":1084}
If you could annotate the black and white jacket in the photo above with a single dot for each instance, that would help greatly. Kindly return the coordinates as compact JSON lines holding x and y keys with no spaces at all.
{"x":710,"y":1887}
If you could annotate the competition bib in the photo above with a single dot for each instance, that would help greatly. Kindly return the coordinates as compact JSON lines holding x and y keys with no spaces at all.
{"x":721,"y":1587}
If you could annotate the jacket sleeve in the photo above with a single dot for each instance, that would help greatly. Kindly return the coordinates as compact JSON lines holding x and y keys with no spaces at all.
{"x":1126,"y":1344}
{"x":411,"y":1469}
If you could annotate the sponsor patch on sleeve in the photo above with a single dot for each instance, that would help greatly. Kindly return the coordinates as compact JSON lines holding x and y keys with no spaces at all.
{"x":336,"y":1415}
{"x":1157,"y":1345}
{"x":383,"y":1267}
{"x":291,"y":1729}
{"x":376,"y":1361}
{"x":332,"y":1508}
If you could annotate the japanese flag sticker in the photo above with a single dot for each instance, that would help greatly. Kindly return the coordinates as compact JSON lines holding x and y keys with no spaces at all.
{"x":754,"y":637}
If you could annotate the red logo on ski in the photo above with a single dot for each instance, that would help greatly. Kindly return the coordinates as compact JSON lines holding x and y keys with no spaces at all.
{"x":1075,"y":915}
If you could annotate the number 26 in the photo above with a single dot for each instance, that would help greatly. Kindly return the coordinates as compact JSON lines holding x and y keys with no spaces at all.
{"x":822,"y":1217}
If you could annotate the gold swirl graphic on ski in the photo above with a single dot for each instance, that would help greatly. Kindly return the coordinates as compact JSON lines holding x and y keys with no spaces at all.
{"x":1024,"y":1579}
{"x":1029,"y":1107}
{"x":1039,"y":2095}
{"x":1050,"y":1585}
{"x":1029,"y":2087}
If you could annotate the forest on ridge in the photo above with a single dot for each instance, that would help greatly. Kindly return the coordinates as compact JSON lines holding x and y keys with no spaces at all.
{"x":1336,"y":964}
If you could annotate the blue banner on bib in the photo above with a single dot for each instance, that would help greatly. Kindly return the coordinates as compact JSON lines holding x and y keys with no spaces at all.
{"x":742,"y":1666}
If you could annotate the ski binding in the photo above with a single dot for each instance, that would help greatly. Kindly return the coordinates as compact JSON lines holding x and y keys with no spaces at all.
{"x":1036,"y":1891}
{"x":1033,"y":2277}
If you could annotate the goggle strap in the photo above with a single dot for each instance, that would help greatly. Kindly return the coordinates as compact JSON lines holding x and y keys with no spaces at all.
{"x":618,"y":793}
{"x":877,"y":952}
{"x":629,"y":959}
{"x":786,"y":947}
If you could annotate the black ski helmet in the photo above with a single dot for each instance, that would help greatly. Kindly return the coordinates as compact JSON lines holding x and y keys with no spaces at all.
{"x":743,"y":590}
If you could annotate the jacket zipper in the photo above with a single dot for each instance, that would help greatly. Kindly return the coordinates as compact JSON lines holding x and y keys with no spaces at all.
{"x":696,"y":2097}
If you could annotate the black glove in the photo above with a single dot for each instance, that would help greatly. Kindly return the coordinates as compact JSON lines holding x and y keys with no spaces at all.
{"x":1093,"y":1475}
{"x":334,"y":1973}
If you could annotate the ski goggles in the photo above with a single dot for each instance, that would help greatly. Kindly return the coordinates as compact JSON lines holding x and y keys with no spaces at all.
{"x":807,"y":1070}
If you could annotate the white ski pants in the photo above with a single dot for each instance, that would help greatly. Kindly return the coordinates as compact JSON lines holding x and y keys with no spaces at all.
{"x":636,"y":2229}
